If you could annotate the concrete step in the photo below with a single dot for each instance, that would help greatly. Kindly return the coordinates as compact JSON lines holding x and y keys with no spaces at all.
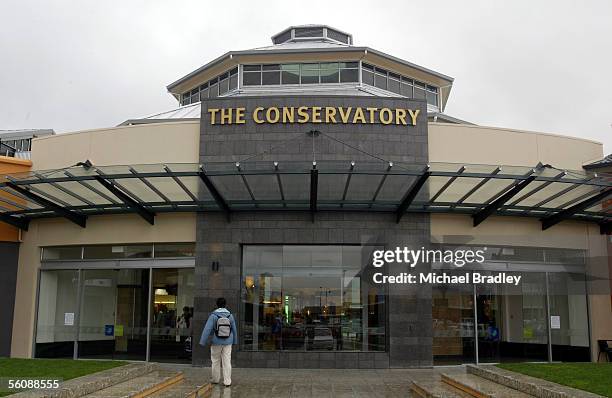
{"x":478,"y":387}
{"x":527,"y":384}
{"x":82,"y":386}
{"x":434,"y":389}
{"x":184,"y":389}
{"x":140,"y":387}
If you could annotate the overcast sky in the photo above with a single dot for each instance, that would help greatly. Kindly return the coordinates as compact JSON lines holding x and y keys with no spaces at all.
{"x":534,"y":65}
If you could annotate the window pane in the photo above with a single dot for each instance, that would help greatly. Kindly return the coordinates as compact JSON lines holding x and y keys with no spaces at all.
{"x":329,"y":73}
{"x":367,"y":77}
{"x":204,"y":93}
{"x":419,"y":90}
{"x":213,"y":91}
{"x":291,"y":77}
{"x":349,"y":64}
{"x":432,"y":98}
{"x":186,"y":99}
{"x":224,"y":86}
{"x":57,"y":307}
{"x":349,"y":75}
{"x":310,"y":74}
{"x":118,"y":251}
{"x":233,"y":82}
{"x":406,"y":89}
{"x":271,"y":67}
{"x":310,"y":298}
{"x":251,"y":78}
{"x":394,"y":86}
{"x":195,"y":96}
{"x":61,"y":253}
{"x":174,"y":250}
{"x":271,"y":78}
{"x":251,"y":68}
{"x":380,"y":80}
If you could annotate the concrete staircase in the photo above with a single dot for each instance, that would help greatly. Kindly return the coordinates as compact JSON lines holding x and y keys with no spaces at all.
{"x":136,"y":380}
{"x":462,"y":384}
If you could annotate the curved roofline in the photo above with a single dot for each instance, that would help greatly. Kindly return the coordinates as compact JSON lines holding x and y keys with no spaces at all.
{"x":231,"y":54}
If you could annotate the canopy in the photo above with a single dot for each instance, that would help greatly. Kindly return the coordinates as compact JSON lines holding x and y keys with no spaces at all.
{"x":550,"y":194}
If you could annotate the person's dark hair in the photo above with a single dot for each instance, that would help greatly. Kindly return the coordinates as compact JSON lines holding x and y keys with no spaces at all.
{"x":221,"y":302}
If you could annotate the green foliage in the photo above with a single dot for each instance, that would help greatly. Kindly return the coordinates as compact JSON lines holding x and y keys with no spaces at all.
{"x":592,"y":377}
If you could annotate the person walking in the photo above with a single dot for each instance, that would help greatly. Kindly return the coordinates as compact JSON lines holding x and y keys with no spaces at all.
{"x":222,"y":325}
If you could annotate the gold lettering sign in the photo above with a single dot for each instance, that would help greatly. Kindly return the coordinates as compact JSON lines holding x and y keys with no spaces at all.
{"x":315,"y":114}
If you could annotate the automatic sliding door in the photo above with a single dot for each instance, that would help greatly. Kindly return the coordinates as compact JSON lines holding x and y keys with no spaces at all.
{"x":171,"y":314}
{"x":113,"y":317}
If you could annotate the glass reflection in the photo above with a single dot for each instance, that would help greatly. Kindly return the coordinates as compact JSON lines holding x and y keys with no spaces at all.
{"x":310,"y":298}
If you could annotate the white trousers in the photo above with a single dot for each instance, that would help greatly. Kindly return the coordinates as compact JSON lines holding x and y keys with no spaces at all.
{"x":221,"y":356}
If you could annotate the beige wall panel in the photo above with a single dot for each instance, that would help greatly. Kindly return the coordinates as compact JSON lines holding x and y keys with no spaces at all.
{"x":127,"y":228}
{"x":455,"y":143}
{"x":174,"y":142}
{"x":454,"y":228}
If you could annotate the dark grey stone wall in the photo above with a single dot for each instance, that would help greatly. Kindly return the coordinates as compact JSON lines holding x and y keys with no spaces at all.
{"x":9,"y":254}
{"x":409,"y":323}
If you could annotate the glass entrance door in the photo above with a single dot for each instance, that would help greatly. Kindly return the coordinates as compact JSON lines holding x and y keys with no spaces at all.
{"x":171,"y":315}
{"x":512,"y":320}
{"x":113,"y":314}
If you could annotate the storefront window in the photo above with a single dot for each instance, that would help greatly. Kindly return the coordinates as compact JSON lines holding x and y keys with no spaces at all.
{"x":57,"y":308}
{"x":569,"y":319}
{"x":310,"y":298}
{"x":117,"y":251}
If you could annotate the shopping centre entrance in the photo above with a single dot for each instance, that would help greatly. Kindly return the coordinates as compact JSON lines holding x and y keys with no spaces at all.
{"x":124,"y":304}
{"x":510,"y":322}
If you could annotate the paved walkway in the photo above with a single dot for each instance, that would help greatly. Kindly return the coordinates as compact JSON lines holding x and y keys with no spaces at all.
{"x":318,"y":383}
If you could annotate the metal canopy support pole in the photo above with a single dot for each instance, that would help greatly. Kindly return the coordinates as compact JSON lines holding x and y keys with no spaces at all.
{"x":548,"y":320}
{"x":348,"y":183}
{"x":314,"y":186}
{"x":215,"y":194}
{"x":570,"y":211}
{"x":21,"y":223}
{"x":76,"y":218}
{"x":280,"y":184}
{"x":411,"y":194}
{"x":246,"y":183}
{"x":147,"y":215}
{"x":474,"y":299}
{"x":381,"y":183}
{"x":499,"y":202}
{"x":149,"y":305}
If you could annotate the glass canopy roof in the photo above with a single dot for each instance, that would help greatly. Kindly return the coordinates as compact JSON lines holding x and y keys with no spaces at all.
{"x":547,"y":193}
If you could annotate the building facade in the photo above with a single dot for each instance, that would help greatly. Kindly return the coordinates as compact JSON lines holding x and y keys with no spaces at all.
{"x":280,"y":173}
